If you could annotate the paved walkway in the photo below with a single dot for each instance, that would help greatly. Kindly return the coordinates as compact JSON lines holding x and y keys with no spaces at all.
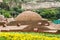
{"x":13,"y":27}
{"x":54,"y":26}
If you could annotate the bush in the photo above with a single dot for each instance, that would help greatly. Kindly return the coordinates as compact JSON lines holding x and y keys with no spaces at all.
{"x":15,"y":11}
{"x":18,"y":9}
{"x":28,"y":36}
{"x":48,"y":13}
{"x":4,"y":6}
{"x":5,"y":13}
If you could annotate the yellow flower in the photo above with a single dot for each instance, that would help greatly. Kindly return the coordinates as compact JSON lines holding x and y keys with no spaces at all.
{"x":28,"y":36}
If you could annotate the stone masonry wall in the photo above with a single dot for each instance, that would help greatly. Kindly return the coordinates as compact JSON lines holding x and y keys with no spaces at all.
{"x":40,"y":5}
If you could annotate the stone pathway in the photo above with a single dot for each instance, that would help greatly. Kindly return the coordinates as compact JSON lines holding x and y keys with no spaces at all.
{"x":54,"y":26}
{"x":13,"y":27}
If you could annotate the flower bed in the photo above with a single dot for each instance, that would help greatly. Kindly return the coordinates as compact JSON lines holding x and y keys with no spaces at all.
{"x":28,"y":36}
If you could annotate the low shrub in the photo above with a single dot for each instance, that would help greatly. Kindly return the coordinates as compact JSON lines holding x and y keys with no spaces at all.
{"x":28,"y":36}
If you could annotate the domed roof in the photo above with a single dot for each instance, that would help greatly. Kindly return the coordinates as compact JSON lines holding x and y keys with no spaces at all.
{"x":28,"y":16}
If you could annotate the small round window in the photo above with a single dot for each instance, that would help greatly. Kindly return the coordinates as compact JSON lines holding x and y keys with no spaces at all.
{"x":46,"y":24}
{"x":35,"y":29}
{"x":39,"y":23}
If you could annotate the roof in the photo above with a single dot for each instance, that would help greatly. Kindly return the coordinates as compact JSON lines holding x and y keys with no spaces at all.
{"x":28,"y":16}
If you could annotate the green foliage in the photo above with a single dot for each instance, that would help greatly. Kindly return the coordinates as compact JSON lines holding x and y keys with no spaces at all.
{"x":50,"y":14}
{"x":15,"y":11}
{"x":5,"y":13}
{"x":58,"y":14}
{"x":4,"y":6}
{"x":3,"y":38}
{"x":8,"y":11}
